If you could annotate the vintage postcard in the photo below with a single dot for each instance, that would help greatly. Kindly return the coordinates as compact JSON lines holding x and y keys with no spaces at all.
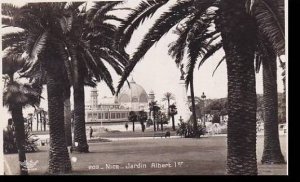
{"x":144,"y":87}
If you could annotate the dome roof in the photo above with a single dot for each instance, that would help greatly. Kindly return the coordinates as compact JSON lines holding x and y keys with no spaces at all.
{"x":135,"y":93}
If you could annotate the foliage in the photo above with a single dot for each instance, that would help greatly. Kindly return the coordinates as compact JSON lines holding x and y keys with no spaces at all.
{"x":149,"y":122}
{"x":9,"y":140}
{"x":132,"y":117}
{"x":216,"y":118}
{"x":186,"y":129}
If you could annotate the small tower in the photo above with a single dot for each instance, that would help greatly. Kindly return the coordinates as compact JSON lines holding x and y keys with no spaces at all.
{"x":151,"y":96}
{"x":94,"y":98}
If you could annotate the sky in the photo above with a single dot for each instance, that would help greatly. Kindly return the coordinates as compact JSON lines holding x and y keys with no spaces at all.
{"x":157,"y":70}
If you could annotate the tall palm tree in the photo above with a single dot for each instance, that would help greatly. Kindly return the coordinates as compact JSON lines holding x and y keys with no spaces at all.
{"x":269,"y":16}
{"x":173,"y":112}
{"x":16,"y":96}
{"x":236,"y":27}
{"x":77,"y":47}
{"x":153,"y":108}
{"x":43,"y":36}
{"x":168,"y":96}
{"x":98,"y":33}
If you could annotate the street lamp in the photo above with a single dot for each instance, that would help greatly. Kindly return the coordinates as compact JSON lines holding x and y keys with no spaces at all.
{"x":203,"y":96}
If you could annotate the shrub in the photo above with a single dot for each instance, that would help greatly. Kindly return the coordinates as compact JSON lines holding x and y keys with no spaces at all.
{"x":186,"y":129}
{"x":9,"y":141}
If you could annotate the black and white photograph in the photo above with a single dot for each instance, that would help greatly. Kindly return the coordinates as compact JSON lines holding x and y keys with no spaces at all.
{"x":144,"y":87}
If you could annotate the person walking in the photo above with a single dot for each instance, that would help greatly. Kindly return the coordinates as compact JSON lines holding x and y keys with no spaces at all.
{"x":91,"y":132}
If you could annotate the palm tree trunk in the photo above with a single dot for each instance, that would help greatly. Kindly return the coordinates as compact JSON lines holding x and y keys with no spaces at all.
{"x":272,"y":152}
{"x":193,"y":106}
{"x":133,"y":126}
{"x":161,"y":125}
{"x":17,"y":117}
{"x":238,"y":36}
{"x":59,"y":161}
{"x":173,"y":123}
{"x":80,"y":141}
{"x":67,"y":121}
{"x":37,"y":122}
{"x":154,"y":122}
{"x":41,"y":121}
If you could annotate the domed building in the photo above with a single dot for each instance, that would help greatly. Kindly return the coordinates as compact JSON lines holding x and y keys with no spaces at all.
{"x":132,"y":97}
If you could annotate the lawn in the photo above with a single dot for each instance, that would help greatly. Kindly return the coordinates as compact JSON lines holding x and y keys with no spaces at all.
{"x":204,"y":156}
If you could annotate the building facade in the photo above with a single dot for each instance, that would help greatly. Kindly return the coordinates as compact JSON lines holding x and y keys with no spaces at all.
{"x":132,"y":97}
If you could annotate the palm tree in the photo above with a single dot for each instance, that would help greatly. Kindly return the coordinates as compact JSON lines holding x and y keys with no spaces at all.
{"x":270,"y":19}
{"x":237,"y":29}
{"x":132,"y":118}
{"x":272,"y":151}
{"x":153,"y":108}
{"x":142,"y":117}
{"x":173,"y":112}
{"x":16,"y":96}
{"x":43,"y":36}
{"x":168,"y":96}
{"x":99,"y":34}
{"x":77,"y":47}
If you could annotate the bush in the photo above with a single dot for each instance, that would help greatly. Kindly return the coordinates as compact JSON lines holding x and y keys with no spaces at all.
{"x":9,"y":141}
{"x":216,"y":118}
{"x":186,"y":129}
{"x":149,"y":122}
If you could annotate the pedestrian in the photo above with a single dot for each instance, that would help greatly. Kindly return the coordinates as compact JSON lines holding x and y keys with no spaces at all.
{"x":91,"y":132}
{"x":126,"y":126}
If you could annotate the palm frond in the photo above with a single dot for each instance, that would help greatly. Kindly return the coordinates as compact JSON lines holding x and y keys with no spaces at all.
{"x":210,"y":51}
{"x":20,"y":94}
{"x":176,"y":49}
{"x":71,"y":6}
{"x":66,"y":23}
{"x":99,"y":9}
{"x":145,"y":10}
{"x":166,"y":21}
{"x":8,"y":9}
{"x":269,"y":15}
{"x":220,"y":62}
{"x":35,"y":45}
{"x":105,"y":76}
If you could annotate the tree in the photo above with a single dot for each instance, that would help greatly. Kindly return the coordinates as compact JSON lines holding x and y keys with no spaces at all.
{"x":168,"y":96}
{"x":97,"y":33}
{"x":154,"y":109}
{"x":238,"y":32}
{"x":142,"y":117}
{"x":43,"y":39}
{"x":16,"y":96}
{"x":269,"y":16}
{"x":132,"y":118}
{"x":173,"y":112}
{"x":77,"y":46}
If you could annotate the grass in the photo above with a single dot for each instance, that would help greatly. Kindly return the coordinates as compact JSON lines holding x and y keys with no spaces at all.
{"x":204,"y":156}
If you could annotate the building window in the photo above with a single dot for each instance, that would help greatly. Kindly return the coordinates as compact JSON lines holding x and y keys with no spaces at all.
{"x":123,"y":115}
{"x":99,"y":116}
{"x":89,"y":115}
{"x":106,"y":115}
{"x":113,"y":115}
{"x":118,"y":115}
{"x":95,"y":115}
